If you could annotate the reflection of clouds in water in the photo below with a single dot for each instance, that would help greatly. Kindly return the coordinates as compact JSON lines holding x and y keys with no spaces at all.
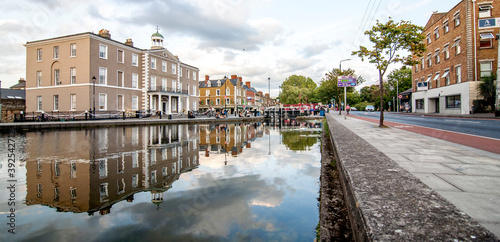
{"x":207,"y":213}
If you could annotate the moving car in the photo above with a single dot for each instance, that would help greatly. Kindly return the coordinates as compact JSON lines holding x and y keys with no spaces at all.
{"x":370,"y":108}
{"x":354,"y":109}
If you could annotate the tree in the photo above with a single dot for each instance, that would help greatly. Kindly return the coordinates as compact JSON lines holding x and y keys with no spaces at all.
{"x":297,"y":89}
{"x":487,"y":89}
{"x":328,"y":88}
{"x":399,"y":78}
{"x":389,"y":39}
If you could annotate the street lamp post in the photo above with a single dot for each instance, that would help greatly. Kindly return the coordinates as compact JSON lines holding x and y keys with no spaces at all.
{"x":93,"y":97}
{"x":345,"y":89}
{"x":497,"y":111}
{"x":225,"y":96}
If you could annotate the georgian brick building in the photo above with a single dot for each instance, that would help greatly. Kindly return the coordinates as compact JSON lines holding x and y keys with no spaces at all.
{"x":225,"y":93}
{"x":459,"y":52}
{"x":87,"y":71}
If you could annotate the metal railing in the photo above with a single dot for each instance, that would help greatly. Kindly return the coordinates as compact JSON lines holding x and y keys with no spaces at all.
{"x":78,"y":115}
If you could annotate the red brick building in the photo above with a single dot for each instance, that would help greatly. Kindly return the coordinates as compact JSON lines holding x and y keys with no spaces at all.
{"x":461,"y":47}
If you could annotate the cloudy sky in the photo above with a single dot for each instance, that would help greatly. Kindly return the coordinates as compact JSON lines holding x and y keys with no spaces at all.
{"x":255,"y":39}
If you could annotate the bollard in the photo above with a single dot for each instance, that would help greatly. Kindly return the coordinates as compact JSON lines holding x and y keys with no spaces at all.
{"x":123,"y":115}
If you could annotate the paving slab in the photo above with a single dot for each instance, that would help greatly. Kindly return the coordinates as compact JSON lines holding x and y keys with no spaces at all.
{"x":438,"y":165}
{"x":436,"y":182}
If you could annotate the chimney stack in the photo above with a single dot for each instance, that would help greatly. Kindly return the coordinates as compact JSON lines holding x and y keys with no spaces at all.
{"x":248,"y":84}
{"x":129,"y":42}
{"x":207,"y":77}
{"x":105,"y":33}
{"x":234,"y":76}
{"x":241,"y":79}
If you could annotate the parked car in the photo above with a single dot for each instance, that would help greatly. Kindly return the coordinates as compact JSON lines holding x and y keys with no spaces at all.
{"x":370,"y":108}
{"x":354,"y":109}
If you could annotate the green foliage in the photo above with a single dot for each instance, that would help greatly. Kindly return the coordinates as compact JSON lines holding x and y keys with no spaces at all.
{"x":297,"y":89}
{"x":369,"y":93}
{"x":296,"y":141}
{"x":487,"y":89}
{"x":329,"y":90}
{"x":389,"y":40}
{"x":400,"y":78}
{"x":362,"y":105}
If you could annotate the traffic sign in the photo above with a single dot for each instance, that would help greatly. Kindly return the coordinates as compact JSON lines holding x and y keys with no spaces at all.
{"x":346,"y":81}
{"x":400,"y":96}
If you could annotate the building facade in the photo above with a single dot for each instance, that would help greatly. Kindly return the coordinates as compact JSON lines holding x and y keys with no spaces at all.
{"x":225,"y":93}
{"x":87,"y":71}
{"x":460,"y":50}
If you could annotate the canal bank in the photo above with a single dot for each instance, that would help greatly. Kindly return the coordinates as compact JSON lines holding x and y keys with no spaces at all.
{"x":387,"y":202}
{"x":60,"y":125}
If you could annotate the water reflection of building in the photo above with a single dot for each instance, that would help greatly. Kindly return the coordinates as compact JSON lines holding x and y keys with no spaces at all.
{"x":90,"y":170}
{"x":228,"y":138}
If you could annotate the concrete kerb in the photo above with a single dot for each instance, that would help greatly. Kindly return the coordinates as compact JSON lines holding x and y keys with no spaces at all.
{"x":386,"y":202}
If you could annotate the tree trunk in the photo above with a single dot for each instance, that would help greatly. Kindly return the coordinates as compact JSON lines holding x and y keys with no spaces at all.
{"x":381,"y":123}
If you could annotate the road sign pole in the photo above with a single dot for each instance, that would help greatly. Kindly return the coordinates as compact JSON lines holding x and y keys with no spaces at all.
{"x":345,"y":102}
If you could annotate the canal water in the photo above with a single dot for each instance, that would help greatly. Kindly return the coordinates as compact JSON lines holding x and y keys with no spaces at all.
{"x":205,"y":182}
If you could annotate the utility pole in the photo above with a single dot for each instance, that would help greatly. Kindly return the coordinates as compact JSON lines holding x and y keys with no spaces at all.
{"x":345,"y":89}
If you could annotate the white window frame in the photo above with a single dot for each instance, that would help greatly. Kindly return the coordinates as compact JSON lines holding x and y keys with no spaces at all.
{"x":103,"y":101}
{"x":118,"y":74}
{"x":458,"y":50}
{"x":57,"y":77}
{"x":39,"y":103}
{"x":72,"y":102}
{"x":39,"y":55}
{"x":486,"y":37}
{"x":194,"y":75}
{"x":163,"y":66}
{"x":446,"y":27}
{"x":446,"y":51}
{"x":56,"y":52}
{"x":135,"y":80}
{"x":485,"y":71}
{"x":118,"y":56}
{"x":436,"y":33}
{"x":458,"y":74}
{"x":174,"y":68}
{"x":436,"y":55}
{"x":118,"y":102}
{"x":72,"y":50}
{"x":485,"y":10}
{"x":103,"y":51}
{"x":217,"y":92}
{"x":174,"y":86}
{"x":164,"y":84}
{"x":217,"y":101}
{"x":153,"y":83}
{"x":456,"y":19}
{"x":39,"y":78}
{"x":135,"y":103}
{"x":103,"y":75}
{"x":446,"y":76}
{"x":207,"y":92}
{"x":153,"y":63}
{"x":135,"y":59}
{"x":55,"y":99}
{"x":72,"y":74}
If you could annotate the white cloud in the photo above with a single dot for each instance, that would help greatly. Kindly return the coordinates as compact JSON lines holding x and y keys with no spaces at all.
{"x":280,"y":37}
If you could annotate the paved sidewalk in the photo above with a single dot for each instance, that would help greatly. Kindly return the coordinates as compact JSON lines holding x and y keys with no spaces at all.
{"x":467,"y":177}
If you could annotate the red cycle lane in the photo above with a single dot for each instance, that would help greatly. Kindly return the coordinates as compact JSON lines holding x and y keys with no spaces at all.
{"x":483,"y":143}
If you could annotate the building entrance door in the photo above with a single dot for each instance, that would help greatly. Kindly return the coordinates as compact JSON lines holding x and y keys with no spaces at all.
{"x":437,"y":105}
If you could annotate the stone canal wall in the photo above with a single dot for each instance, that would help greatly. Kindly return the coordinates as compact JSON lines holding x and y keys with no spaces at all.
{"x":36,"y":126}
{"x":387,"y":203}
